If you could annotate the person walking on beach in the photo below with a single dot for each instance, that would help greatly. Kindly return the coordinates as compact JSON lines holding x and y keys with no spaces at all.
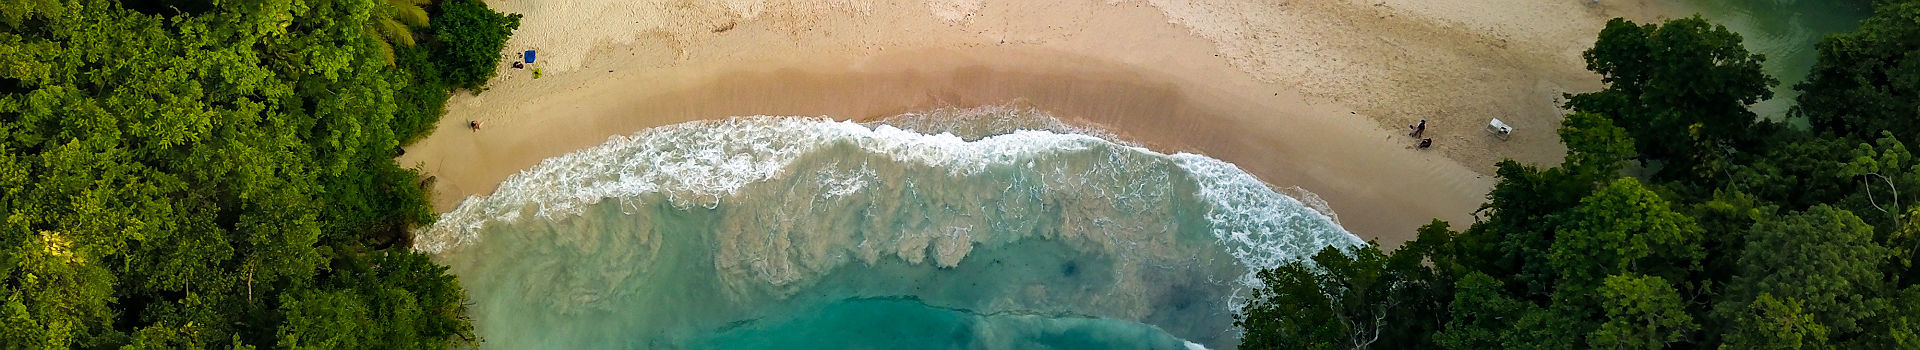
{"x":1418,"y":129}
{"x":473,"y":124}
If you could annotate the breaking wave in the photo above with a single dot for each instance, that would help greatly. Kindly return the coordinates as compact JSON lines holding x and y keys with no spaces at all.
{"x":760,"y":212}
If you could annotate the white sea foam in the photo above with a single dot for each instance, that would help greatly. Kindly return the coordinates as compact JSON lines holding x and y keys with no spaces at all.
{"x":1250,"y":224}
{"x":980,"y":122}
{"x":700,"y":164}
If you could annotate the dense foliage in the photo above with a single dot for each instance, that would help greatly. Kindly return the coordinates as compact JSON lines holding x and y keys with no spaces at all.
{"x":1747,"y":234}
{"x":190,"y":173}
{"x":1681,"y":89}
{"x":1868,"y":81}
{"x":473,"y":37}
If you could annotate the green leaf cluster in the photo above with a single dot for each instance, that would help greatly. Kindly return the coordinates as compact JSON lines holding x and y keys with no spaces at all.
{"x":188,"y":174}
{"x":472,"y":37}
{"x":1867,"y":81}
{"x":1680,"y":89}
{"x":1342,"y":301}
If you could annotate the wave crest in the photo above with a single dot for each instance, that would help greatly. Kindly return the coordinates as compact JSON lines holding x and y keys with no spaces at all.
{"x":1106,"y":186}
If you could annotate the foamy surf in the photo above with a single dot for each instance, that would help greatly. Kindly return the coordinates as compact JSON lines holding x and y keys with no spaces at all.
{"x":773,"y":213}
{"x":702,"y":162}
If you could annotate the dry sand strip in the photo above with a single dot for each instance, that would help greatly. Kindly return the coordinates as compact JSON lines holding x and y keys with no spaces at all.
{"x":1277,"y":98}
{"x":1381,"y":187}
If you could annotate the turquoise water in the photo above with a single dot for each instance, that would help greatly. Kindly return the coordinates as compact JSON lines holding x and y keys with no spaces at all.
{"x":985,"y":228}
{"x":910,"y":324}
{"x":1783,"y":30}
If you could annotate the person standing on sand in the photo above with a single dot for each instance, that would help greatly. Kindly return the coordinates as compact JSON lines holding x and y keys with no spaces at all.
{"x":1418,"y":129}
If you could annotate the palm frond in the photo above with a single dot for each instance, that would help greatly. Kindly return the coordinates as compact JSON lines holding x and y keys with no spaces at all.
{"x":410,"y":14}
{"x":385,"y":48}
{"x":396,"y":32}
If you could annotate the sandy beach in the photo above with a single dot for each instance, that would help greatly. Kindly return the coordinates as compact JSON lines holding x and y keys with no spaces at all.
{"x":1300,"y":93}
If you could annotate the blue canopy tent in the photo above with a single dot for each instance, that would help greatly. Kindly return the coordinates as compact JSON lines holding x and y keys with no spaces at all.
{"x":529,"y":56}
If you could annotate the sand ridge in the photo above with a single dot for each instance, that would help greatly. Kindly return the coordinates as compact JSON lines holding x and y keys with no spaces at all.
{"x":1308,"y":94}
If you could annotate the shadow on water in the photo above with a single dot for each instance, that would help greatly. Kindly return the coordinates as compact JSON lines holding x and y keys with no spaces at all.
{"x":1783,"y":30}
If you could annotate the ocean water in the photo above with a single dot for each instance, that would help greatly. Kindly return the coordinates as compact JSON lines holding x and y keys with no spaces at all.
{"x":1783,"y":30}
{"x":993,"y":227}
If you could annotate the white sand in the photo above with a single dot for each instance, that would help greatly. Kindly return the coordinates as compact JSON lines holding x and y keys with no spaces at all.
{"x":1302,"y":93}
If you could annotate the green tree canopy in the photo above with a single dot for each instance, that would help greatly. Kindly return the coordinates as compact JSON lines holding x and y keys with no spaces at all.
{"x":1699,"y":255}
{"x":1642,"y":312}
{"x":1483,"y":317}
{"x":215,"y":175}
{"x":1823,"y":257}
{"x":1770,"y":323}
{"x":1680,"y":89}
{"x":1621,"y":229}
{"x":1595,"y":147}
{"x":473,"y":37}
{"x":1307,"y":307}
{"x":1338,"y":300}
{"x":1867,"y":81}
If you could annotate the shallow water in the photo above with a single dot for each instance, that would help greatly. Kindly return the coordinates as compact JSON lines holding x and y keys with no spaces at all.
{"x":910,"y":324}
{"x":1783,"y":30}
{"x":1018,"y":232}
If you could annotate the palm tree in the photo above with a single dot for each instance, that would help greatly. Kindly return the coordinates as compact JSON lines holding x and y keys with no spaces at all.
{"x":395,"y":20}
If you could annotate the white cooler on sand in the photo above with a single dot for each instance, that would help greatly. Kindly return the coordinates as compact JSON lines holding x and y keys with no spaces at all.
{"x":1500,"y":130}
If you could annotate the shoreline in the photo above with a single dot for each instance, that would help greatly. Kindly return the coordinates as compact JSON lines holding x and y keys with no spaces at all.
{"x":1284,"y":139}
{"x":1164,"y":86}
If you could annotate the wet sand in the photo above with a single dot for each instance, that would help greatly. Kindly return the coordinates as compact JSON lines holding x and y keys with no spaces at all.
{"x":1153,"y":73}
{"x":1280,"y":137}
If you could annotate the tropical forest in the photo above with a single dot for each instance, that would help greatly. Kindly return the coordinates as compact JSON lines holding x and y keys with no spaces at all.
{"x":218,"y":173}
{"x":1678,"y":219}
